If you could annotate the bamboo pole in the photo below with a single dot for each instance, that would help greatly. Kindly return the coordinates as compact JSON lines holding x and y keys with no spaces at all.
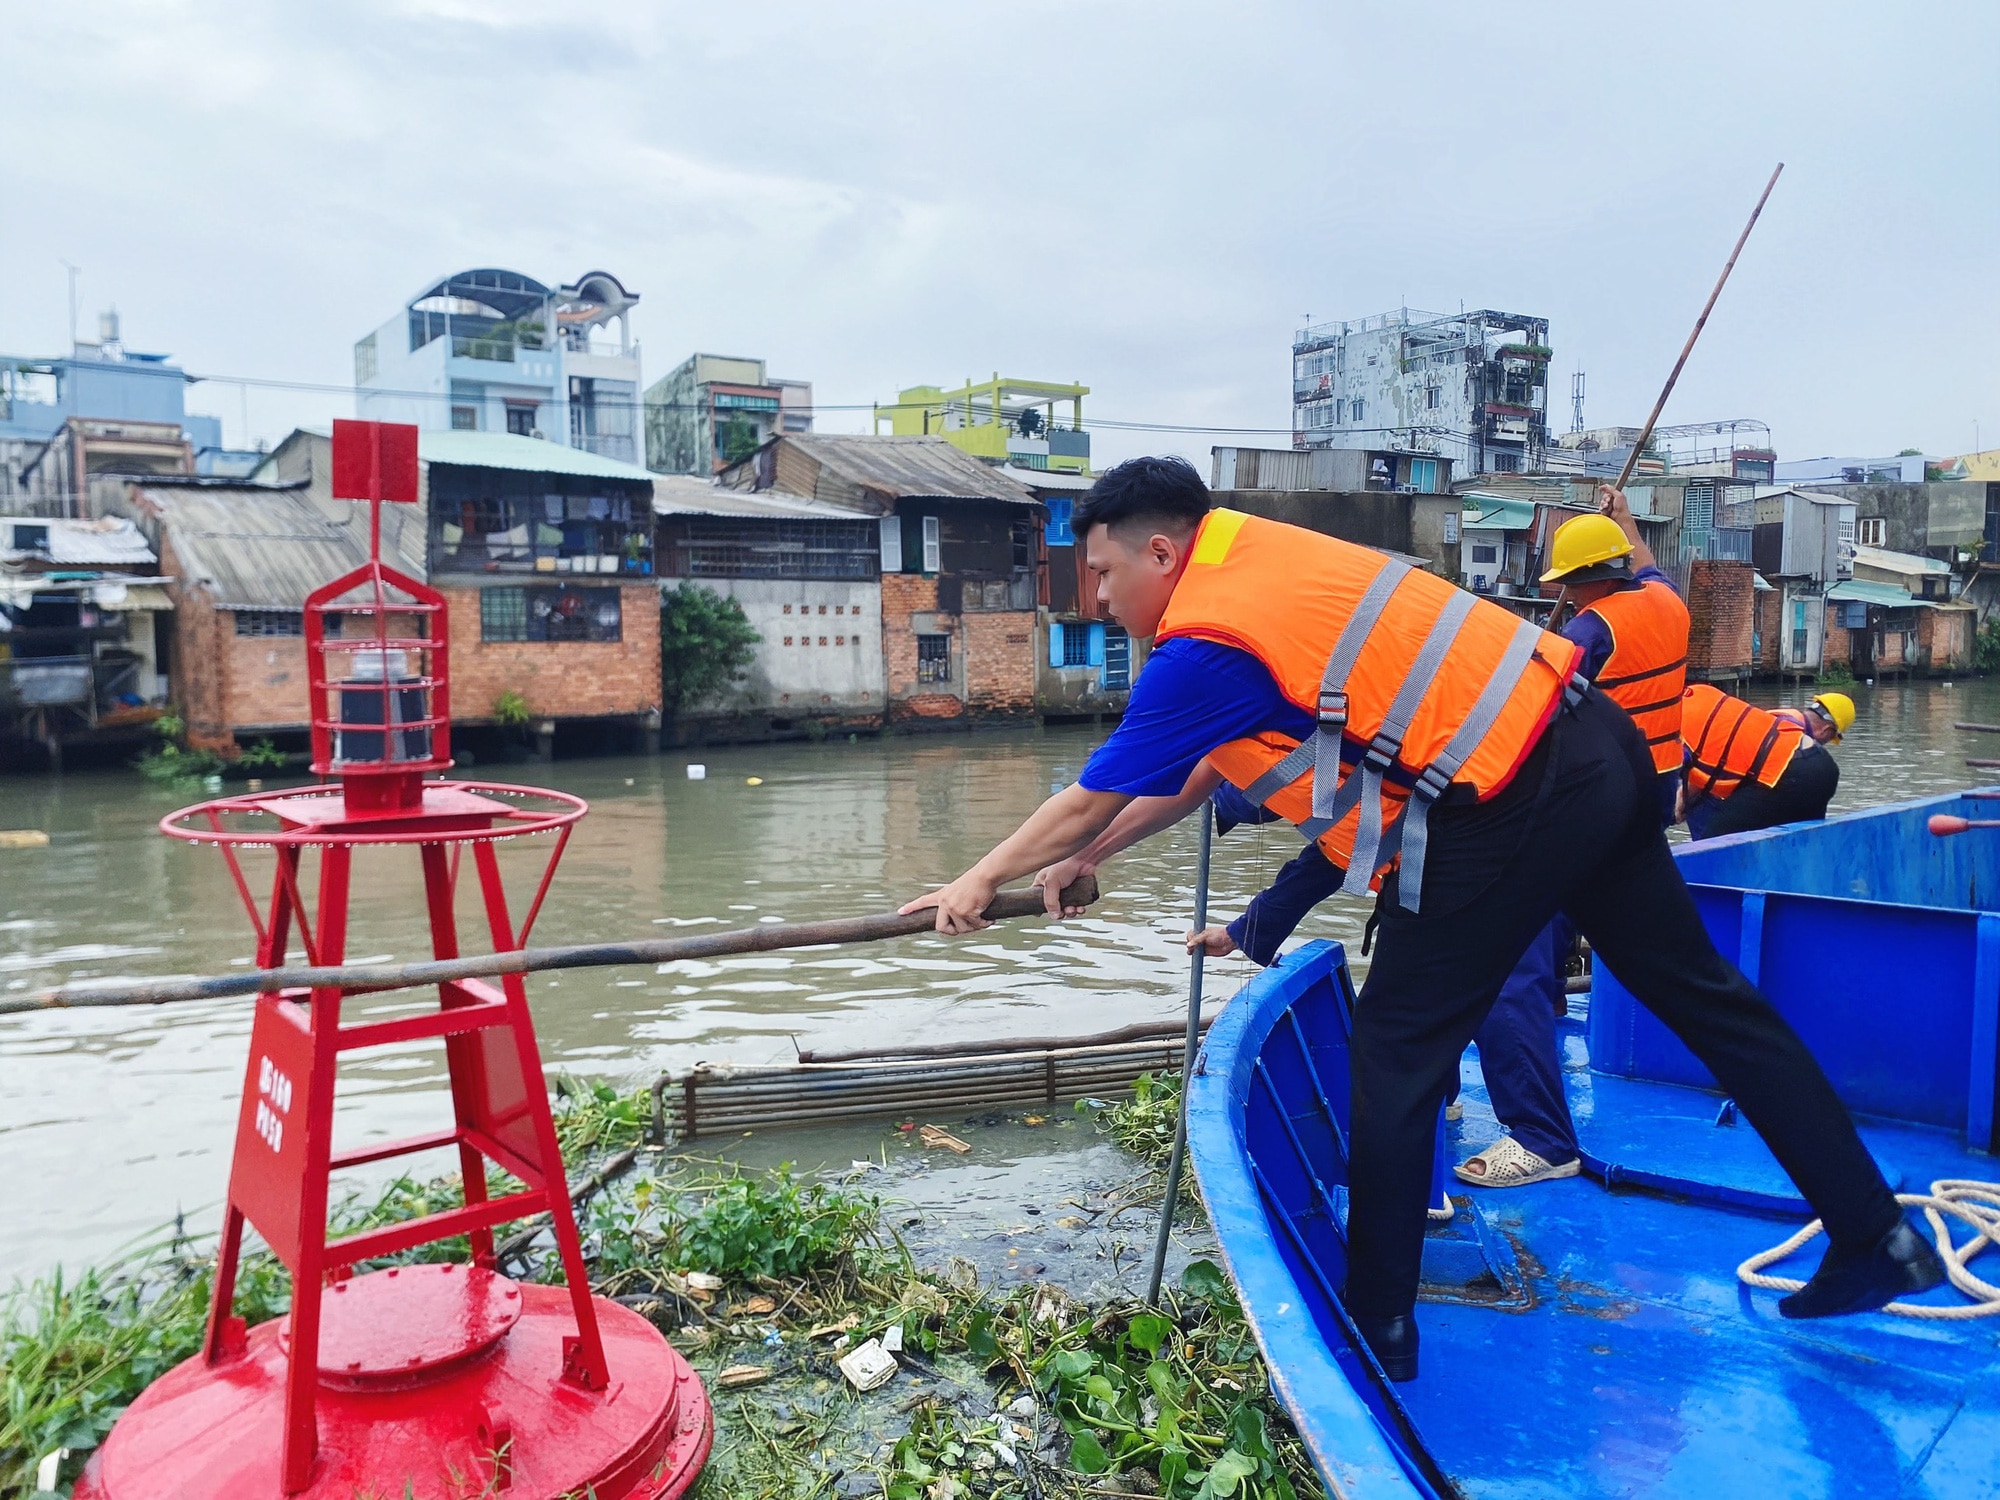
{"x":355,"y":978}
{"x":1646,"y":432}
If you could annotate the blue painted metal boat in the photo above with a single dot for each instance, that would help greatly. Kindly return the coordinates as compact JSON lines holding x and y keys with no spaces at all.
{"x":1589,"y":1337}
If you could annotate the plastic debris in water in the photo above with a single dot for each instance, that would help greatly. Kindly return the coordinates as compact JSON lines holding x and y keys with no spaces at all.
{"x":868,"y":1366}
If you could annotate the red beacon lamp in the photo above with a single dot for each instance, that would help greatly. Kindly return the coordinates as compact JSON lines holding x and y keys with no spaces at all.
{"x":432,"y":1381}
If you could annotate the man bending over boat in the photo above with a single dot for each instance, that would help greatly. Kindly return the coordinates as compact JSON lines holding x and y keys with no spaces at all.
{"x":1387,"y":713}
{"x":1751,"y":768}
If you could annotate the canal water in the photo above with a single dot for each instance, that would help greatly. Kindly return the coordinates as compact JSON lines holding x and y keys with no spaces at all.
{"x":113,"y":1121}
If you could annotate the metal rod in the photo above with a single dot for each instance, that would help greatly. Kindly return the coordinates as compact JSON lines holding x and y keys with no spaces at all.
{"x":1646,"y":432}
{"x":1174,"y":1158}
{"x":1980,"y":728}
{"x":372,"y":977}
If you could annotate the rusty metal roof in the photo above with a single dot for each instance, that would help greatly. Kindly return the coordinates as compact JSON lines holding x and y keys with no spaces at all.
{"x":254,"y":546}
{"x":685,"y":495}
{"x":901,"y":468}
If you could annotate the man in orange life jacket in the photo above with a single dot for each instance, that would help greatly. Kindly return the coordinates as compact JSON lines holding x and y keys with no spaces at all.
{"x":1386,"y":712}
{"x":1750,"y":767}
{"x":1633,"y":630}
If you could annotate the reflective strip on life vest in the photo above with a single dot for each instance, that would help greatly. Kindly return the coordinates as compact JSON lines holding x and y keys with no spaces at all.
{"x":1755,"y":744}
{"x":1646,"y":671}
{"x":1408,"y":832}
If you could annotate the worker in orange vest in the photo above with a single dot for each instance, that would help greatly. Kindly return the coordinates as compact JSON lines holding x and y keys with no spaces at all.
{"x":1750,"y":767}
{"x":1633,"y":630}
{"x":1387,"y":713}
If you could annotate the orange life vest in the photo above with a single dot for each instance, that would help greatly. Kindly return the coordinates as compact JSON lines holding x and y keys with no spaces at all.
{"x":1433,"y":686}
{"x":1729,"y":742}
{"x":1647,"y":667}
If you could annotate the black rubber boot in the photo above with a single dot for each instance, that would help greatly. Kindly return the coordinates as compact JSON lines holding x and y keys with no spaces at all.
{"x":1901,"y":1263}
{"x":1394,"y":1343}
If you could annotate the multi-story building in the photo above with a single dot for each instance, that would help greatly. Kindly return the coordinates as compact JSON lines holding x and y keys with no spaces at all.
{"x":959,"y":558}
{"x":495,"y":351}
{"x":1472,"y":387}
{"x":544,"y":554}
{"x":1000,"y":421}
{"x":103,"y":410}
{"x":715,"y":409}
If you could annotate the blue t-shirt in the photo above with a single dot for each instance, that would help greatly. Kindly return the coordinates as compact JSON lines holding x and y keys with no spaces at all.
{"x":1191,"y":697}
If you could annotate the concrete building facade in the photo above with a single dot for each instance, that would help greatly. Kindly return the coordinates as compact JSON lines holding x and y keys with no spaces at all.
{"x":715,"y":409}
{"x":494,"y":351}
{"x":102,"y":410}
{"x":999,"y":421}
{"x":1471,"y":387}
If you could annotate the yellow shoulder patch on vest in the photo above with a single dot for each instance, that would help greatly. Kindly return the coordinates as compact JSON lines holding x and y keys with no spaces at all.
{"x":1218,"y":535}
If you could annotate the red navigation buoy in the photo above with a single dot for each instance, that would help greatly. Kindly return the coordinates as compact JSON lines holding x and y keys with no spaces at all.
{"x":429,"y":1382}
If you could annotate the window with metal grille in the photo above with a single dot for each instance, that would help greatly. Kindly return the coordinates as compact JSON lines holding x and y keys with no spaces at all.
{"x":1506,"y":463}
{"x":1117,"y":657}
{"x":270,"y":622}
{"x":503,"y":614}
{"x":1076,"y":646}
{"x":465,"y":419}
{"x":724,"y":547}
{"x":933,"y":658}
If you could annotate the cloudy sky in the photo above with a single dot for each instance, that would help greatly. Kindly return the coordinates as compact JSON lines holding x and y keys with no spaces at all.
{"x":1142,"y":195}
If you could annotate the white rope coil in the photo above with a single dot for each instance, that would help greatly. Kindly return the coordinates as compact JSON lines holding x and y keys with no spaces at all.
{"x":1974,"y":1203}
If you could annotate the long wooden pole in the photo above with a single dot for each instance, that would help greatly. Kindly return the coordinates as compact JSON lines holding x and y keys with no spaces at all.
{"x":1646,"y":432}
{"x":358,"y":977}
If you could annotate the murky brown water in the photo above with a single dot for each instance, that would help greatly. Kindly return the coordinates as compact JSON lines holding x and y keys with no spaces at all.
{"x":112,"y":1121}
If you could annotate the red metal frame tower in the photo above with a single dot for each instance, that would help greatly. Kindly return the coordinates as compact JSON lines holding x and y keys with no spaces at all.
{"x":447,"y":1351}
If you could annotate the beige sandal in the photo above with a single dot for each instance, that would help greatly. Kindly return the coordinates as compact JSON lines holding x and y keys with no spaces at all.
{"x":1507,"y":1163}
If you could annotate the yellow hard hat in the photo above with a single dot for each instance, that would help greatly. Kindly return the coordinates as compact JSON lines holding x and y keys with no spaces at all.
{"x":1588,"y":542}
{"x":1839,"y":709}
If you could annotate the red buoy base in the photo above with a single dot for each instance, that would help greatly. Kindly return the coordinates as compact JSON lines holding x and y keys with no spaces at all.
{"x":491,"y":1415}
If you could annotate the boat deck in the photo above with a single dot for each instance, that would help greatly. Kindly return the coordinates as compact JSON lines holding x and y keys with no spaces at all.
{"x":1589,"y":1341}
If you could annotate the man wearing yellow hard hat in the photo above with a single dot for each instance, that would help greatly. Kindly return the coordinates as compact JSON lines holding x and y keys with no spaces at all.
{"x":1633,"y":629}
{"x":1751,"y":768}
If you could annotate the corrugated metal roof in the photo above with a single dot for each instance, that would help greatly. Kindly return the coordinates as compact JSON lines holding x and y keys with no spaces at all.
{"x":1897,"y":562}
{"x":908,"y":468}
{"x":1861,"y":591}
{"x":1497,"y":512}
{"x":684,"y":495}
{"x":1048,"y":479}
{"x":111,"y":541}
{"x":506,"y":450}
{"x":255,"y":546}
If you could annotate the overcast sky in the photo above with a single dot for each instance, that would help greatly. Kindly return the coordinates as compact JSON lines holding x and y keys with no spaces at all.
{"x":1141,"y":195}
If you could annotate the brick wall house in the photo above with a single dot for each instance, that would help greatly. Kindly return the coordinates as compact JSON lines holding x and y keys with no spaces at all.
{"x":962,"y":586}
{"x":544,"y":556}
{"x":242,"y":558}
{"x":1720,"y":620}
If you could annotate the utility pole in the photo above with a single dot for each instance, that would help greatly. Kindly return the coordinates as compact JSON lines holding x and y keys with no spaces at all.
{"x":74,"y":272}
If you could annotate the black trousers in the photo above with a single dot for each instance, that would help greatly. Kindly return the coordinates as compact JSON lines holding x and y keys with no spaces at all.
{"x":1800,"y":796}
{"x":1577,"y":831}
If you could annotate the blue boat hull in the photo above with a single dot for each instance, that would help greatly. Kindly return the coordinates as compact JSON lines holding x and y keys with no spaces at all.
{"x":1589,"y":1337}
